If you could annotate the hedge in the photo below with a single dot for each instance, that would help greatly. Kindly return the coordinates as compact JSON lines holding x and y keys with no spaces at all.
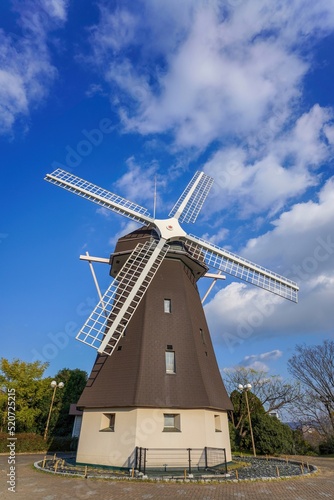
{"x":29,"y":443}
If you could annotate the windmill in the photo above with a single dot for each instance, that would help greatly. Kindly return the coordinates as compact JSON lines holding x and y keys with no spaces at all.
{"x":155,"y":383}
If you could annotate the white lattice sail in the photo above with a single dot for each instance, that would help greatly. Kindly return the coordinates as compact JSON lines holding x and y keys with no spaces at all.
{"x":107,"y":322}
{"x":188,"y":206}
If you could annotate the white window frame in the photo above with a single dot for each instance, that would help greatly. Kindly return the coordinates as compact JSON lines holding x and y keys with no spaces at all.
{"x":167,"y":306}
{"x":170,"y":361}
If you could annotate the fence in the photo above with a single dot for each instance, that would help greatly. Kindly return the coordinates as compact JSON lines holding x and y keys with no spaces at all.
{"x":168,"y":459}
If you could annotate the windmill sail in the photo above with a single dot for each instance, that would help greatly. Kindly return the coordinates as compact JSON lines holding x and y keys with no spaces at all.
{"x":106,"y":324}
{"x":99,"y":195}
{"x":188,"y":206}
{"x":241,"y":268}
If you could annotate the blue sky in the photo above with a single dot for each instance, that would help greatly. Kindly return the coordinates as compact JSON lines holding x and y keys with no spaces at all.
{"x":121,"y":93}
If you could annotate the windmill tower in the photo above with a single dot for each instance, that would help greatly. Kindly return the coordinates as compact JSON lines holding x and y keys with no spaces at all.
{"x":155,"y":383}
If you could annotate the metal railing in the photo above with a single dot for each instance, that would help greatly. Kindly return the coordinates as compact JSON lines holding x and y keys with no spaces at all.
{"x":170,"y":459}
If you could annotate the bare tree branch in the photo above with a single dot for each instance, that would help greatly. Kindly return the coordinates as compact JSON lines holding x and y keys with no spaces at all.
{"x":313,"y":366}
{"x":272,"y":391}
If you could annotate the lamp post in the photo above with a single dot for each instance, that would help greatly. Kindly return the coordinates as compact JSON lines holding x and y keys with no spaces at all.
{"x":54,"y":385}
{"x":245,"y":388}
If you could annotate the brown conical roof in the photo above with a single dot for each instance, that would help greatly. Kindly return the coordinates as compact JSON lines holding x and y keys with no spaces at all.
{"x":135,"y":374}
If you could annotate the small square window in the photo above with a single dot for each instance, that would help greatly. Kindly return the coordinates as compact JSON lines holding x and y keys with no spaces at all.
{"x":171,"y":422}
{"x":108,"y":422}
{"x":170,"y":361}
{"x":167,"y":306}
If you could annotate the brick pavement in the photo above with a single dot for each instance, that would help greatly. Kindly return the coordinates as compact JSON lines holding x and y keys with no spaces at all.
{"x":43,"y":486}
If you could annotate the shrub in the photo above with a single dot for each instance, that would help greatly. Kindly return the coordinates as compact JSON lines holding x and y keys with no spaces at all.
{"x":327,"y":447}
{"x":25,"y":442}
{"x":234,"y":438}
{"x":29,"y":443}
{"x":271,"y":436}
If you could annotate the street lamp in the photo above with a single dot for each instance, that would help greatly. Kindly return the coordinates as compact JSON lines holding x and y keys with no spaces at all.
{"x":54,"y":385}
{"x":245,"y":388}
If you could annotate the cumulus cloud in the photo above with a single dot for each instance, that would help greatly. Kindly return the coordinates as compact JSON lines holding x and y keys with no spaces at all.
{"x":300,"y":246}
{"x":225,"y":74}
{"x":212,"y":69}
{"x":284,"y":170}
{"x":298,"y":234}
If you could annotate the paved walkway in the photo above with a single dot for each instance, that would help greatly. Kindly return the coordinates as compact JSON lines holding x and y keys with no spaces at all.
{"x":33,"y":484}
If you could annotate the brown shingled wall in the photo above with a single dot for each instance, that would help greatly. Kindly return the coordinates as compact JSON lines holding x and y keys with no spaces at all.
{"x":135,"y":376}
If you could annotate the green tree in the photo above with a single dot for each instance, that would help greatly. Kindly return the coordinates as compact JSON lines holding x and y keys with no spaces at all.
{"x":239,"y":418}
{"x":26,"y":380}
{"x":271,"y":436}
{"x":75,"y":380}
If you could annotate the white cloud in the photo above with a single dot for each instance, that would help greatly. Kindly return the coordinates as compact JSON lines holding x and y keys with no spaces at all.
{"x":26,"y":72}
{"x":297,"y":233}
{"x":263,"y":186}
{"x":126,"y":228}
{"x":306,"y":142}
{"x":278,"y":173}
{"x":329,"y":133}
{"x":300,"y":246}
{"x":259,"y":362}
{"x":95,"y":89}
{"x":238,"y":312}
{"x":40,"y":16}
{"x":115,"y":31}
{"x":223,"y":69}
{"x":211,"y":90}
{"x":104,"y":212}
{"x":275,"y":354}
{"x":13,"y":99}
{"x":232,"y":74}
{"x":226,"y":72}
{"x":138,"y":183}
{"x":56,"y":8}
{"x":218,"y":237}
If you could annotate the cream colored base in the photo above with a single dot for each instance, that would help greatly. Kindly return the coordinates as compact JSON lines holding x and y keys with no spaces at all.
{"x":143,"y":427}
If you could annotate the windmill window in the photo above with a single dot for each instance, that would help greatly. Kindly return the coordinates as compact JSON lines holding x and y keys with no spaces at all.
{"x":202,"y":335}
{"x":108,"y":422}
{"x":218,"y":424}
{"x":167,"y":305}
{"x":172,"y":422}
{"x":170,"y":361}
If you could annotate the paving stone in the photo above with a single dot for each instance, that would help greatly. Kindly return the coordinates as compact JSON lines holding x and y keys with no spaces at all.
{"x":33,"y":484}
